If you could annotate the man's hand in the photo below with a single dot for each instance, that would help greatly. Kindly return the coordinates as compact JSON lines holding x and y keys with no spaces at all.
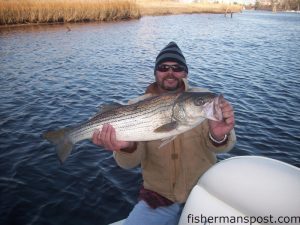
{"x":218,"y":129}
{"x":107,"y":138}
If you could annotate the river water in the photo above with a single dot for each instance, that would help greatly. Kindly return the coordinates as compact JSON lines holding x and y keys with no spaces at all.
{"x":52,"y":77}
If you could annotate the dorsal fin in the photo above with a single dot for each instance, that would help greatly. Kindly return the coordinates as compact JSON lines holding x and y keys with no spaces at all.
{"x":193,"y":89}
{"x":186,"y":84}
{"x":198,"y":89}
{"x":139,"y":98}
{"x":104,"y":108}
{"x":107,"y":107}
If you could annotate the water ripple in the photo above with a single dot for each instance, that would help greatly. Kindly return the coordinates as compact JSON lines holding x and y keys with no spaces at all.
{"x":50,"y":79}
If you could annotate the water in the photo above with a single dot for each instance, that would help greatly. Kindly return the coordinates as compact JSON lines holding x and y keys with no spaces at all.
{"x":51,"y":78}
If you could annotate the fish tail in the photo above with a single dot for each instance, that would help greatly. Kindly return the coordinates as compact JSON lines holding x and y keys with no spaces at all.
{"x":62,"y":141}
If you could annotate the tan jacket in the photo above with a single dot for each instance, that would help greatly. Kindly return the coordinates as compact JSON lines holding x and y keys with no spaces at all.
{"x":175,"y":168}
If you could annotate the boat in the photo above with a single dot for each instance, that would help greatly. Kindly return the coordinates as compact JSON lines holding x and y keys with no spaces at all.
{"x":244,"y":190}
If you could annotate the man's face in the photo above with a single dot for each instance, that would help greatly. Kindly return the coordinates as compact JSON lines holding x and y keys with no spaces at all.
{"x":169,"y":76}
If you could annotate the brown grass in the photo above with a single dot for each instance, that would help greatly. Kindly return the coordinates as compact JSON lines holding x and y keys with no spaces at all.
{"x":53,"y":11}
{"x":163,"y":7}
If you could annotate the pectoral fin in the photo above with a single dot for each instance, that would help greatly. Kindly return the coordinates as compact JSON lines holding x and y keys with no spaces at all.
{"x":167,"y":127}
{"x":167,"y":141}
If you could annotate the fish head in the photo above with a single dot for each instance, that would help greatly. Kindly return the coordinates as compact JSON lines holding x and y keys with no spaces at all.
{"x":200,"y":105}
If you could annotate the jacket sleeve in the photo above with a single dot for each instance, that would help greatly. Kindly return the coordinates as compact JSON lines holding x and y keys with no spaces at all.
{"x":227,"y":146}
{"x":130,"y":160}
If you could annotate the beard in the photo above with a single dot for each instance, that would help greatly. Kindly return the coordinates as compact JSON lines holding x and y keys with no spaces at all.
{"x":166,"y":87}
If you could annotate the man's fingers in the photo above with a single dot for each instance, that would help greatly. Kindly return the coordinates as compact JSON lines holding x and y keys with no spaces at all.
{"x":228,"y":114}
{"x":229,"y":120}
{"x":226,"y":106}
{"x":106,"y":137}
{"x":109,"y":143}
{"x":108,"y":140}
{"x":115,"y":143}
{"x":227,"y":111}
{"x":103,"y":133}
{"x":95,"y":137}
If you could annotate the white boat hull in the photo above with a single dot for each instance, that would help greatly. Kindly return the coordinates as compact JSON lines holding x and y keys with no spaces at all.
{"x":244,"y":188}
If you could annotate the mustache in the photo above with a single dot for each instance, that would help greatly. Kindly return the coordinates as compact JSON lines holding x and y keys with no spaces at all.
{"x":171,"y":77}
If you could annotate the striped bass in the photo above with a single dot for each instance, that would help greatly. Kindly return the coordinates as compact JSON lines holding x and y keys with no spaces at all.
{"x":154,"y":118}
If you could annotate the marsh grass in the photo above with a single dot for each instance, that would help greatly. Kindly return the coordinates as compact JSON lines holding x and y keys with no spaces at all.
{"x":55,"y":11}
{"x":43,"y":11}
{"x":164,"y":7}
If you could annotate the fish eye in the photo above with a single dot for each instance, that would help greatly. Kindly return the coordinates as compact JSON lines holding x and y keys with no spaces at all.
{"x":199,"y":101}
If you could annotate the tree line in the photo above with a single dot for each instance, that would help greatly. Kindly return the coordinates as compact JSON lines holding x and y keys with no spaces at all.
{"x":277,"y":5}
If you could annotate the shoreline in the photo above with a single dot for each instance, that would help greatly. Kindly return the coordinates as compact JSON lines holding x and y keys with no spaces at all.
{"x":156,"y":8}
{"x":18,"y":14}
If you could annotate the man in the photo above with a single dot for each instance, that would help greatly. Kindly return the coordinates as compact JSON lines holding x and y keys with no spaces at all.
{"x":169,"y":173}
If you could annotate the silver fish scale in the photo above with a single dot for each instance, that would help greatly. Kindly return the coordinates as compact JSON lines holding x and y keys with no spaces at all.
{"x":135,"y":122}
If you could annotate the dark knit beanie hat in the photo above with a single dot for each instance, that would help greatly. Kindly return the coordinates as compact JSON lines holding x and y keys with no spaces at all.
{"x":171,"y":53}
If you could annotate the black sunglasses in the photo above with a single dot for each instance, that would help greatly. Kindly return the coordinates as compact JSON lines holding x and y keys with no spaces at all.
{"x":165,"y":68}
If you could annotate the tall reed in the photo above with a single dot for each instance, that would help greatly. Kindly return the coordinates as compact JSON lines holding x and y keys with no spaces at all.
{"x":163,"y":7}
{"x":46,"y":11}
